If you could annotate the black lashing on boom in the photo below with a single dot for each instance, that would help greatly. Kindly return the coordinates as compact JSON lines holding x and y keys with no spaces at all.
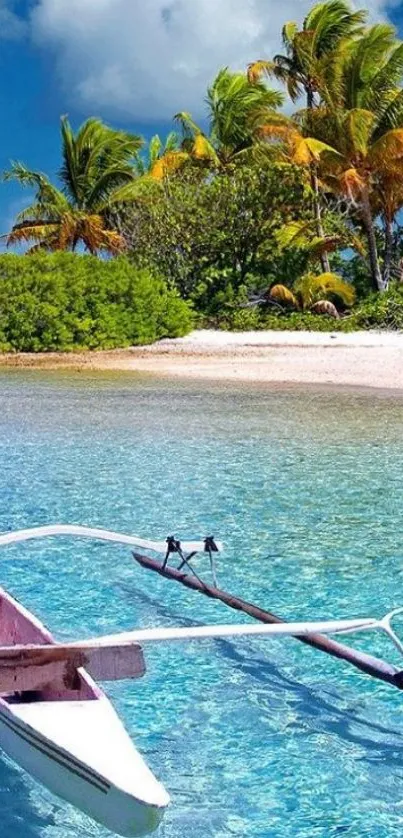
{"x":210,"y":545}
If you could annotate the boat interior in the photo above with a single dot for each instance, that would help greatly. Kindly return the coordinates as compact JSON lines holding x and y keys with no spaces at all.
{"x":19,"y":627}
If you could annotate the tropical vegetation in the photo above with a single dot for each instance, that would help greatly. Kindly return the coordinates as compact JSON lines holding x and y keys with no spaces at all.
{"x":67,"y":301}
{"x":96,"y":171}
{"x":281,"y":208}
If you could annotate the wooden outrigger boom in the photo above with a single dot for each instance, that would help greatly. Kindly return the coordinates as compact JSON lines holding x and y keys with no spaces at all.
{"x":368,"y":664}
{"x":109,"y":664}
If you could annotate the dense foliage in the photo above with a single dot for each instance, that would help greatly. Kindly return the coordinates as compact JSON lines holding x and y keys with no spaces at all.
{"x":66,"y":301}
{"x":377,"y":311}
{"x":213,"y":237}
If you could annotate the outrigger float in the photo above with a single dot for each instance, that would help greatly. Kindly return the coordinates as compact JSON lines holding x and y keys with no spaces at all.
{"x":58,"y":724}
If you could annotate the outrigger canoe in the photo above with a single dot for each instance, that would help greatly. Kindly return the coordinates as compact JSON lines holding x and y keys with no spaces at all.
{"x":72,"y":741}
{"x":58,"y":724}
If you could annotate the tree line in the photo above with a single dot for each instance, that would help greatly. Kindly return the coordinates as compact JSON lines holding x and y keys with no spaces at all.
{"x":254,"y":205}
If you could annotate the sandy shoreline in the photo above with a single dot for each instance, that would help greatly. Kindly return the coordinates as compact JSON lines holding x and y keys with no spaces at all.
{"x":361,"y":359}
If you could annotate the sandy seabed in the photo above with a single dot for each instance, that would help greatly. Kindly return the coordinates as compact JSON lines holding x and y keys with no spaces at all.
{"x":358,"y":359}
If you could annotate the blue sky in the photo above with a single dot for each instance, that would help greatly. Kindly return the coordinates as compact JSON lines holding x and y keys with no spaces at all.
{"x":132,"y":62}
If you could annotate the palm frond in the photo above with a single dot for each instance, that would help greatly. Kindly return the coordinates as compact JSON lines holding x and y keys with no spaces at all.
{"x":233,"y":103}
{"x":133,"y":191}
{"x":351,"y":182}
{"x":188,"y":126}
{"x":386,"y":154}
{"x":386,"y":82}
{"x":69,"y":172}
{"x":312,"y":288}
{"x":36,"y":231}
{"x":358,"y":125}
{"x":172,"y":142}
{"x":332,"y":22}
{"x":281,"y":294}
{"x":154,"y":149}
{"x":327,"y":308}
{"x":367,"y":54}
{"x":92,"y":152}
{"x":260,"y":68}
{"x":392,"y":114}
{"x":26,"y":177}
{"x":170,"y":162}
{"x":288,"y":34}
{"x":300,"y":235}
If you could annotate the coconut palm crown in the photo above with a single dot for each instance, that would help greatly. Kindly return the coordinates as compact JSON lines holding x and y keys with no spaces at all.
{"x":97,"y":169}
{"x":235,"y":106}
{"x":310,"y":50}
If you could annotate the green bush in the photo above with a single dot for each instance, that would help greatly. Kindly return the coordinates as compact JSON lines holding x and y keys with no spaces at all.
{"x":65,"y":301}
{"x":252,"y":319}
{"x":212,"y":235}
{"x":380,"y":311}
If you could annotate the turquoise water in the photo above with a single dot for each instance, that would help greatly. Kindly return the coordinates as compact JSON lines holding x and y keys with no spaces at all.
{"x":252,"y":738}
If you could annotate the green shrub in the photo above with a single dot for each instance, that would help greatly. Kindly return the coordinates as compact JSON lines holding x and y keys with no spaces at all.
{"x":65,"y":301}
{"x":295,"y":321}
{"x":211,"y":235}
{"x":380,"y":311}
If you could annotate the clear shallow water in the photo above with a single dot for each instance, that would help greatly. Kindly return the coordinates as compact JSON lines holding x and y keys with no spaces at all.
{"x":252,"y":738}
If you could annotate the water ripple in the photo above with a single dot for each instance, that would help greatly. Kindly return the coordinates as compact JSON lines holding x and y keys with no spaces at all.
{"x":253,"y":738}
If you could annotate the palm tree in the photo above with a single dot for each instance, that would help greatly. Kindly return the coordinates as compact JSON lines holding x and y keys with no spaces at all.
{"x":388,"y":202}
{"x":362,"y":167}
{"x":97,"y":171}
{"x":311,"y":55}
{"x":308,"y":51}
{"x":362,"y":127}
{"x":354,"y":134}
{"x":236,"y":107}
{"x":300,"y":235}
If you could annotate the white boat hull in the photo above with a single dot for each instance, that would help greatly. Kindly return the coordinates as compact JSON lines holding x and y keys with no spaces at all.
{"x":72,"y":741}
{"x":129,"y":801}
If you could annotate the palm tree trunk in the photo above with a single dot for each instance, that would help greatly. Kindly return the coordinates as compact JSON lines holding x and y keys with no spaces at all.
{"x":324,"y":259}
{"x":366,"y":214}
{"x":318,"y":215}
{"x":389,"y":248}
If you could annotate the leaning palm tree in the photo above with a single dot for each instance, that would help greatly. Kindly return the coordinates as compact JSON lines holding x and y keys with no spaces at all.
{"x":97,"y":171}
{"x":236,"y":106}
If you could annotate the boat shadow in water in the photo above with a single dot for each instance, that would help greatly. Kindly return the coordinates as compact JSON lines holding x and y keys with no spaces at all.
{"x":19,"y":818}
{"x":315,"y":711}
{"x":321,"y":714}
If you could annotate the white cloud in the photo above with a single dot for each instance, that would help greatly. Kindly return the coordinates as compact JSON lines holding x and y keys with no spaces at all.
{"x":11,"y":26}
{"x":147,"y":59}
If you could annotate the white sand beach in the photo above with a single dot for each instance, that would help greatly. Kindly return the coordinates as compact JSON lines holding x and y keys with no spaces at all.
{"x":360,"y":359}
